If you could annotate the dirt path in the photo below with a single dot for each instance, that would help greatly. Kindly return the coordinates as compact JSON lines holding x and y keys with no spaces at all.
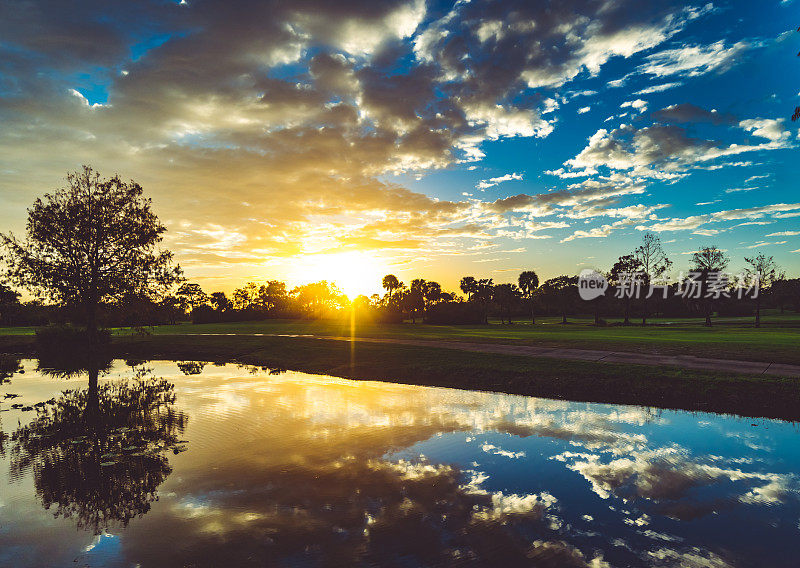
{"x":599,"y":356}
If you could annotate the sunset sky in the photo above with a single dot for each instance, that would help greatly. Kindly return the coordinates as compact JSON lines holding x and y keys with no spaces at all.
{"x":343,"y":140}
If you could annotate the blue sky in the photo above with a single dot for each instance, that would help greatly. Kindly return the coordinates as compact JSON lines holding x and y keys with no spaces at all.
{"x":427,"y":139}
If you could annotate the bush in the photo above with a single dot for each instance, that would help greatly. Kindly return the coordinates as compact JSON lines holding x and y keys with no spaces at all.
{"x":206,"y":314}
{"x":454,"y":313}
{"x":65,"y":338}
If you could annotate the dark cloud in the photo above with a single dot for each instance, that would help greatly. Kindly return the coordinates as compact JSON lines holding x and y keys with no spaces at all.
{"x":687,"y":112}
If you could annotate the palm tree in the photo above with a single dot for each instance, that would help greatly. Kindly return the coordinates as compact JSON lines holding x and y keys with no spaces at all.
{"x":528,"y":283}
{"x":390,"y":284}
{"x":469,"y":286}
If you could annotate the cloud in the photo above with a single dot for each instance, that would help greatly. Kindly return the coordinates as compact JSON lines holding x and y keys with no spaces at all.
{"x":691,"y":61}
{"x":666,"y":151}
{"x":693,"y":222}
{"x":769,"y":128}
{"x":637,"y":104}
{"x":491,"y":182}
{"x":687,"y":112}
{"x":268,"y":130}
{"x":657,"y":88}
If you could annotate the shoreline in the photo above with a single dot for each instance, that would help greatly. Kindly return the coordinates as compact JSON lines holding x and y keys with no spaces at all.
{"x":611,"y":383}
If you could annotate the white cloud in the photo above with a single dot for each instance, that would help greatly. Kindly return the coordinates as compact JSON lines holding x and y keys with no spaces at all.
{"x":691,"y":61}
{"x":491,"y":182}
{"x":637,"y":104}
{"x":657,"y":88}
{"x":769,"y":128}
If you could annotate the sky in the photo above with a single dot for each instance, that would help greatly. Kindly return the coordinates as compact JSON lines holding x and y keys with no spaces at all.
{"x":344,"y":140}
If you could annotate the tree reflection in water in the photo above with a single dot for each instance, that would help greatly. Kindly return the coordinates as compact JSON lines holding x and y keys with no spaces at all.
{"x":98,"y":454}
{"x":9,"y":366}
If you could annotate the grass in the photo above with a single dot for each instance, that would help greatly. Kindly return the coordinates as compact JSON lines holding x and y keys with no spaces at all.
{"x":730,"y":338}
{"x":665,"y":387}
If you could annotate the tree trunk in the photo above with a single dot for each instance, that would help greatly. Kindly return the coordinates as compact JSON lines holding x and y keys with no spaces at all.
{"x":627,"y":311}
{"x":758,"y":311}
{"x":644,"y":311}
{"x":564,"y":317}
{"x":92,"y":415}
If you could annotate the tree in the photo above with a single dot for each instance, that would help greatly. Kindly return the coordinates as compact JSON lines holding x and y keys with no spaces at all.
{"x":528,"y":283}
{"x":318,"y":297}
{"x":9,"y":304}
{"x":626,"y":267}
{"x":764,"y":270}
{"x":220,"y":301}
{"x":191,"y":296}
{"x":415,"y":299}
{"x":505,"y":296}
{"x":469,"y":286}
{"x":390,"y":284}
{"x":272,"y":296}
{"x":432,"y":292}
{"x":563,"y":291}
{"x":484,"y":291}
{"x":654,"y":263}
{"x":709,"y":264}
{"x":787,"y":292}
{"x":93,"y":241}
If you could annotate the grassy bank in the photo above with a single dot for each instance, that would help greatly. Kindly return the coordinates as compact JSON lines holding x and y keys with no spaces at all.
{"x":575,"y":380}
{"x":777,"y":341}
{"x":735,"y":338}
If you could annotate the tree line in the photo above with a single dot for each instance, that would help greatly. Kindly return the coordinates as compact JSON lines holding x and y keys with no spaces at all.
{"x":91,"y":255}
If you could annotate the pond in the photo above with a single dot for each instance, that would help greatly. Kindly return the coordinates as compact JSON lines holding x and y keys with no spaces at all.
{"x":191,"y":464}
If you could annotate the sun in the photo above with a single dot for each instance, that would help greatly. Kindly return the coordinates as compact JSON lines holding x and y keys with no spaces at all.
{"x":354,"y":272}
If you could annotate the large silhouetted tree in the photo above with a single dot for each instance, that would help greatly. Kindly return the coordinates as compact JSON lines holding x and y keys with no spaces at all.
{"x":528,"y":283}
{"x":94,"y":240}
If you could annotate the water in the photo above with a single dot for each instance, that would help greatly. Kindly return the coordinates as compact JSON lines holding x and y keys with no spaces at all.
{"x":238,"y":467}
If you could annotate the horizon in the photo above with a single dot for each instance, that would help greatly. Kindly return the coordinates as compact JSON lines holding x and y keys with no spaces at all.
{"x":414,"y":138}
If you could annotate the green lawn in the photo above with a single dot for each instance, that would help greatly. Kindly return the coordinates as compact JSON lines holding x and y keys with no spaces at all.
{"x":734,"y":338}
{"x":778,"y":340}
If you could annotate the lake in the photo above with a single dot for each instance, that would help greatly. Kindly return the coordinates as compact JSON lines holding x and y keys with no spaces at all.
{"x":191,"y":464}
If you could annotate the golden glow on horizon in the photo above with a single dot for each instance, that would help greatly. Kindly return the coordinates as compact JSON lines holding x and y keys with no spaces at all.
{"x":353,"y":272}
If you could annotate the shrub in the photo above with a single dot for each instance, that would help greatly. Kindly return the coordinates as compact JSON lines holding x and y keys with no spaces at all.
{"x":66,"y":338}
{"x":454,"y":313}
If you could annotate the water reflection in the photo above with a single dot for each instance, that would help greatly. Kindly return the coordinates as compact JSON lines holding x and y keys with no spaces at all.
{"x":97,"y":454}
{"x":301,"y":470}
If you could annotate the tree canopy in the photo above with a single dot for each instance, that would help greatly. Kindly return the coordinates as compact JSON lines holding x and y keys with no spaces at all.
{"x":94,"y":240}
